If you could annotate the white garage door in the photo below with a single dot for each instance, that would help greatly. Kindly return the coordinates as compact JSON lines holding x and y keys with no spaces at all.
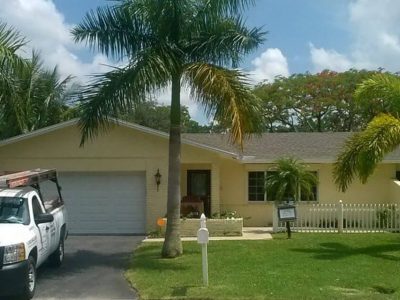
{"x":104,"y":203}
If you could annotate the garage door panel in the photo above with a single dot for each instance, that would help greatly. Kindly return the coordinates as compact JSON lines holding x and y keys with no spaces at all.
{"x":105,"y":203}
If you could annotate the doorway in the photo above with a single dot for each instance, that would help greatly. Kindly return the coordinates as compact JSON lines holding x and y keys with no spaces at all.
{"x":199,"y":185}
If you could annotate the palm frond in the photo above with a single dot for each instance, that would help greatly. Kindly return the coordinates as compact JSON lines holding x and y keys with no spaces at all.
{"x":223,"y":41}
{"x":226,"y":95}
{"x":119,"y":90}
{"x":288,"y":177}
{"x":364,"y":150}
{"x":382,"y":89}
{"x":227,"y":6}
{"x":10,"y":42}
{"x":113,"y":31}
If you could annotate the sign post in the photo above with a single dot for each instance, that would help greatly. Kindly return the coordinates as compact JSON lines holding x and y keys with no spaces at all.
{"x":202,"y":239}
{"x":287,"y":213}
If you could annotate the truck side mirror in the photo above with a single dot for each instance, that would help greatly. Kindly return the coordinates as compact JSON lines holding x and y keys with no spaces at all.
{"x":44,"y":218}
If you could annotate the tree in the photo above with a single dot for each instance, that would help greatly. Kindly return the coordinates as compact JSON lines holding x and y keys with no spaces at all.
{"x":10,"y":42}
{"x":31,"y":97}
{"x":38,"y":99}
{"x":153,"y":115}
{"x":315,"y":102}
{"x":363,"y":151}
{"x":171,"y":43}
{"x":290,"y":179}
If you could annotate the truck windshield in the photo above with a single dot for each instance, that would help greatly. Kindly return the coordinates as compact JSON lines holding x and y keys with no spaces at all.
{"x":14,"y":210}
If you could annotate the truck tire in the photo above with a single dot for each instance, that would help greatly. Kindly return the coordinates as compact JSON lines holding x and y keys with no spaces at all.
{"x":57,"y":257}
{"x":30,"y":286}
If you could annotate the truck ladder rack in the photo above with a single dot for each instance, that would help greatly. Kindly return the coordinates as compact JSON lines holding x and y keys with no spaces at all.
{"x":27,"y":178}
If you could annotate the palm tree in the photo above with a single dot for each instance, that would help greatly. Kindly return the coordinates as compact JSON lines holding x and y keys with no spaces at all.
{"x":10,"y":43}
{"x":171,"y":43}
{"x":364,"y":150}
{"x":38,"y":99}
{"x":290,"y":179}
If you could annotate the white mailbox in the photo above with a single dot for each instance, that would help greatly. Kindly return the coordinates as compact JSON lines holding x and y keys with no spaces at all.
{"x":202,"y":236}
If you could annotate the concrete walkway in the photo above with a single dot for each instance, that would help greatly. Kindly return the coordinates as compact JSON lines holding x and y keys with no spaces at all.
{"x":249,"y":233}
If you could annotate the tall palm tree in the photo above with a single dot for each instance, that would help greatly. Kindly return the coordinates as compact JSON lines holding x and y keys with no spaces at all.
{"x":171,"y":43}
{"x":364,"y":150}
{"x":290,"y":179}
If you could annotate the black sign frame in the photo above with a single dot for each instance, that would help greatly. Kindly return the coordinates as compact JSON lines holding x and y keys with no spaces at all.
{"x":290,"y":216}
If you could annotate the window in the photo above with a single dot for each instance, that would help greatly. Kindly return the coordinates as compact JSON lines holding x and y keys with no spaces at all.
{"x":257,"y":192}
{"x":36,"y":208}
{"x":256,"y":186}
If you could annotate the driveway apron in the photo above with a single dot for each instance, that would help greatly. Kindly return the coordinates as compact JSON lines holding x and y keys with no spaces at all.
{"x":93,"y":269}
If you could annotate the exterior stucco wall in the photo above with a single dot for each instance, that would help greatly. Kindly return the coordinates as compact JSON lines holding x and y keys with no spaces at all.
{"x":126,"y":149}
{"x":120,"y":149}
{"x":234,"y":190}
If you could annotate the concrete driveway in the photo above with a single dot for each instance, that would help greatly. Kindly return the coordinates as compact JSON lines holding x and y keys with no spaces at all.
{"x":93,"y":269}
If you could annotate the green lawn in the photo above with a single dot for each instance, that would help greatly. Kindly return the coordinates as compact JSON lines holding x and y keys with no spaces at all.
{"x":309,"y":266}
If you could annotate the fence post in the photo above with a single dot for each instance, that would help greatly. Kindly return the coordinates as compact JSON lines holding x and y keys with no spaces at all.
{"x":340,"y":216}
{"x":275,"y":217}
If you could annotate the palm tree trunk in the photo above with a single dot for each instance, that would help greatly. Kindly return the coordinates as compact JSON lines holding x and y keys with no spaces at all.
{"x":172,"y":245}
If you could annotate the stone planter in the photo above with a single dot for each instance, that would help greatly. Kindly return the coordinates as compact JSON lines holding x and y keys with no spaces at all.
{"x":216,"y":227}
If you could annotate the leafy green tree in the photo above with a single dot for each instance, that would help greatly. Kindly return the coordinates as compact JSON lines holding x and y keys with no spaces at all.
{"x":315,"y":102}
{"x":290,"y":179}
{"x":154,"y":115}
{"x":172,"y":43}
{"x":364,"y":150}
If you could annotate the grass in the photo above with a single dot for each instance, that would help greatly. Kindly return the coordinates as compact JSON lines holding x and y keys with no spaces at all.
{"x":309,"y":266}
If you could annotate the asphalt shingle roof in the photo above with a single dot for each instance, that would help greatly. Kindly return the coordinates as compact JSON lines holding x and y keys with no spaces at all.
{"x":308,"y":146}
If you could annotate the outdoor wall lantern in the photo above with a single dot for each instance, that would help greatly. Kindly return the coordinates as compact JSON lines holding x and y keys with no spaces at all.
{"x":157,"y":176}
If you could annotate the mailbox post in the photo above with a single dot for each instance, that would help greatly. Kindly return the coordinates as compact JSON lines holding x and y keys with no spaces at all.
{"x":202,"y":239}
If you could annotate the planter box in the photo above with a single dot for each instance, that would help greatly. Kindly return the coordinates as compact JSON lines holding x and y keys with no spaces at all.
{"x":216,"y":227}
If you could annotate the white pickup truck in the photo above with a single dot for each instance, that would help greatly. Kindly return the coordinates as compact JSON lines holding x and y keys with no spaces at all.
{"x":31,"y":230}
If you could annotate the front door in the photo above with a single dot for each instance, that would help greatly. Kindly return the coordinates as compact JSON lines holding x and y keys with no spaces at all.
{"x":199,"y":185}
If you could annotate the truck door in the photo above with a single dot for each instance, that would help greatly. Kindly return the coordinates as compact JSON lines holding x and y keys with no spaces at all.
{"x":43,"y":230}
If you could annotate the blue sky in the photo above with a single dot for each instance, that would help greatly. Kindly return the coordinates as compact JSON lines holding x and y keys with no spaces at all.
{"x":304,"y":35}
{"x":291,"y":26}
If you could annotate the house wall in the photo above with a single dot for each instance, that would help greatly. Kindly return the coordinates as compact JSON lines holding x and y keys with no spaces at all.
{"x":126,"y":149}
{"x":120,"y":149}
{"x":234,"y":190}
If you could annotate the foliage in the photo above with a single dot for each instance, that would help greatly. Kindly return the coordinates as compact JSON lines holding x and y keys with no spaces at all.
{"x":31,"y":97}
{"x":39,"y":99}
{"x":171,"y":43}
{"x":310,"y":266}
{"x":318,"y":102}
{"x":364,"y":150}
{"x":227,"y":214}
{"x":290,"y":179}
{"x":153,"y":115}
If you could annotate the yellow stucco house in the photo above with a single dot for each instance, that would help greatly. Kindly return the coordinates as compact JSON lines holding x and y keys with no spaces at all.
{"x":109,"y":185}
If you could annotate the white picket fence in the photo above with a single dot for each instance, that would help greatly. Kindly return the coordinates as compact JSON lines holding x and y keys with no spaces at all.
{"x":342,"y":217}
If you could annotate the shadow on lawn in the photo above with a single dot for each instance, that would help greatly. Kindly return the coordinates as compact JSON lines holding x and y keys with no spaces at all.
{"x":330,"y":251}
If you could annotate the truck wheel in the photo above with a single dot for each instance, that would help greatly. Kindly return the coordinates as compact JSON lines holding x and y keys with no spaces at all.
{"x":57,"y":257}
{"x":30,"y":286}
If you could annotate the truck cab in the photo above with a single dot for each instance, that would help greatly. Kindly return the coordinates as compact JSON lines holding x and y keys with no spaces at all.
{"x":32,"y":230}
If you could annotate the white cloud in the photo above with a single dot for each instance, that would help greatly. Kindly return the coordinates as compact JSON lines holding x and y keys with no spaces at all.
{"x":375,"y":38}
{"x":269,"y":64}
{"x":328,"y":59}
{"x":47,"y":32}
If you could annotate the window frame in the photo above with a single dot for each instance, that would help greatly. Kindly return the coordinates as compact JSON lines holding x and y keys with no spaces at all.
{"x":266,"y":200}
